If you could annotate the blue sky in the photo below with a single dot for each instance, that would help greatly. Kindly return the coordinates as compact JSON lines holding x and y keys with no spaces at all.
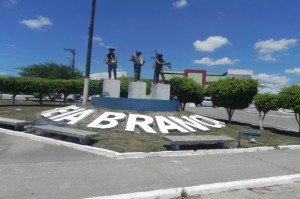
{"x":212,"y":35}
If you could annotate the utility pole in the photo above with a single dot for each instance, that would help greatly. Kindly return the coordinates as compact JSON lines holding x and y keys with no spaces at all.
{"x":89,"y":55}
{"x":73,"y":51}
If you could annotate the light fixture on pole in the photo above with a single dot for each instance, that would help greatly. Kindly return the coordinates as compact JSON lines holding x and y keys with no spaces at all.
{"x":73,"y":51}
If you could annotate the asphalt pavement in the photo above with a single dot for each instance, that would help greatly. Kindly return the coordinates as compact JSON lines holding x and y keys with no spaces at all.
{"x":38,"y":168}
{"x":274,"y":119}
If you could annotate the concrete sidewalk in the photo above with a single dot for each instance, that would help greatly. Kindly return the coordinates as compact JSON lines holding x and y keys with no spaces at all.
{"x":37,"y":169}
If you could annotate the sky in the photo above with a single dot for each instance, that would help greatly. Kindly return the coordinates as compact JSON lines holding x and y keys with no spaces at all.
{"x":212,"y":35}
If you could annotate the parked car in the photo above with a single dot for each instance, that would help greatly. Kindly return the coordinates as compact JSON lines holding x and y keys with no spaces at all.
{"x":207,"y":103}
{"x":74,"y":98}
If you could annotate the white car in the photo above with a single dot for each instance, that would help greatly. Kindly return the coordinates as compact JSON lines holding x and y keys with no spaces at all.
{"x":207,"y":103}
{"x":74,"y":98}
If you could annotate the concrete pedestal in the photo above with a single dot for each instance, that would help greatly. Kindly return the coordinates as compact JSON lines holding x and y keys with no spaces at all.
{"x":111,"y":87}
{"x":160,"y":91}
{"x":137,"y":90}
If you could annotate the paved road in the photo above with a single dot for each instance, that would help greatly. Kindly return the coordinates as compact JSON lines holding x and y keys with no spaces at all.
{"x":31,"y":169}
{"x":276,"y":119}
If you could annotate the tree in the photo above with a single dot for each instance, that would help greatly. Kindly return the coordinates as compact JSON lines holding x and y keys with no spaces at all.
{"x":232,"y":93}
{"x":41,"y":87}
{"x":15,"y":85}
{"x":186,"y":90}
{"x":50,"y":71}
{"x":264,"y":103}
{"x":290,"y":99}
{"x":67,"y":87}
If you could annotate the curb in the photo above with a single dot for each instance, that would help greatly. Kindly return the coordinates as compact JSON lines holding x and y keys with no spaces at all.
{"x":207,"y":188}
{"x":132,"y":155}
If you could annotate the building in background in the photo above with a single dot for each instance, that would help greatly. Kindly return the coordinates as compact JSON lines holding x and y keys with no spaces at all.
{"x":204,"y":78}
{"x":200,"y":76}
{"x":98,"y":76}
{"x":240,"y":74}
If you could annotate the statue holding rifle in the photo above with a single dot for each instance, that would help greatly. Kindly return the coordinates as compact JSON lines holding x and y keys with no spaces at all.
{"x":159,"y":63}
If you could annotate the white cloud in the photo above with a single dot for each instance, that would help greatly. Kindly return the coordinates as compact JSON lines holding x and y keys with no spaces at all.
{"x":271,"y":82}
{"x":180,"y":3}
{"x":14,"y":2}
{"x":37,"y":23}
{"x":211,"y":62}
{"x":10,"y":45}
{"x":267,"y":47}
{"x":10,"y":3}
{"x":266,"y":57}
{"x":97,"y":38}
{"x":293,"y":71}
{"x":103,"y":45}
{"x":211,"y":43}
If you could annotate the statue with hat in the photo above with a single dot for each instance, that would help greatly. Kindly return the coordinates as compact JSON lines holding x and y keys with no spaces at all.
{"x":158,"y":67}
{"x":111,"y":61}
{"x":138,"y":62}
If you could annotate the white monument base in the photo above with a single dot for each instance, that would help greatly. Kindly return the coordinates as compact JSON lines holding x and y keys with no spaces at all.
{"x":111,"y":88}
{"x":160,"y":91}
{"x":137,"y":90}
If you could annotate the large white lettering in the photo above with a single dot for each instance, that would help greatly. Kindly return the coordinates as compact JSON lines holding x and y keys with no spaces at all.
{"x":107,"y":120}
{"x":165,"y":125}
{"x":59,"y":111}
{"x":73,"y":114}
{"x":75,"y":117}
{"x":209,"y":122}
{"x":143,"y":122}
{"x":189,"y":123}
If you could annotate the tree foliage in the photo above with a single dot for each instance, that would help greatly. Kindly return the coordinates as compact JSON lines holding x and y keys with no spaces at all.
{"x":67,"y":87}
{"x":14,"y":86}
{"x":42,"y":87}
{"x":265,"y":102}
{"x":290,"y":99}
{"x":186,"y":90}
{"x":232,"y":94}
{"x":50,"y":71}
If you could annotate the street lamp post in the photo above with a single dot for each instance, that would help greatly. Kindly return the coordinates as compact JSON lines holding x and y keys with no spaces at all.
{"x":89,"y":54}
{"x":73,"y":51}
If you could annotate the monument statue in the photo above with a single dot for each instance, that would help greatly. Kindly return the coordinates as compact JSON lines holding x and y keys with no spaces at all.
{"x":111,"y":61}
{"x":138,"y":62}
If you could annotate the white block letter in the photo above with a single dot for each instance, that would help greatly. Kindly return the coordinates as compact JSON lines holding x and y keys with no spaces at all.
{"x":165,"y":125}
{"x":75,"y":117}
{"x":59,"y":111}
{"x":207,"y":121}
{"x":189,"y":123}
{"x":143,"y":122}
{"x":107,"y":120}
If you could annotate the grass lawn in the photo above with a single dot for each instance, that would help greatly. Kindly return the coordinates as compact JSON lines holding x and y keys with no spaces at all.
{"x":119,"y":140}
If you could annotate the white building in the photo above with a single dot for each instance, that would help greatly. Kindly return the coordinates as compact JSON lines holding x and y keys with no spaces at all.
{"x":98,"y":76}
{"x":240,"y":73}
